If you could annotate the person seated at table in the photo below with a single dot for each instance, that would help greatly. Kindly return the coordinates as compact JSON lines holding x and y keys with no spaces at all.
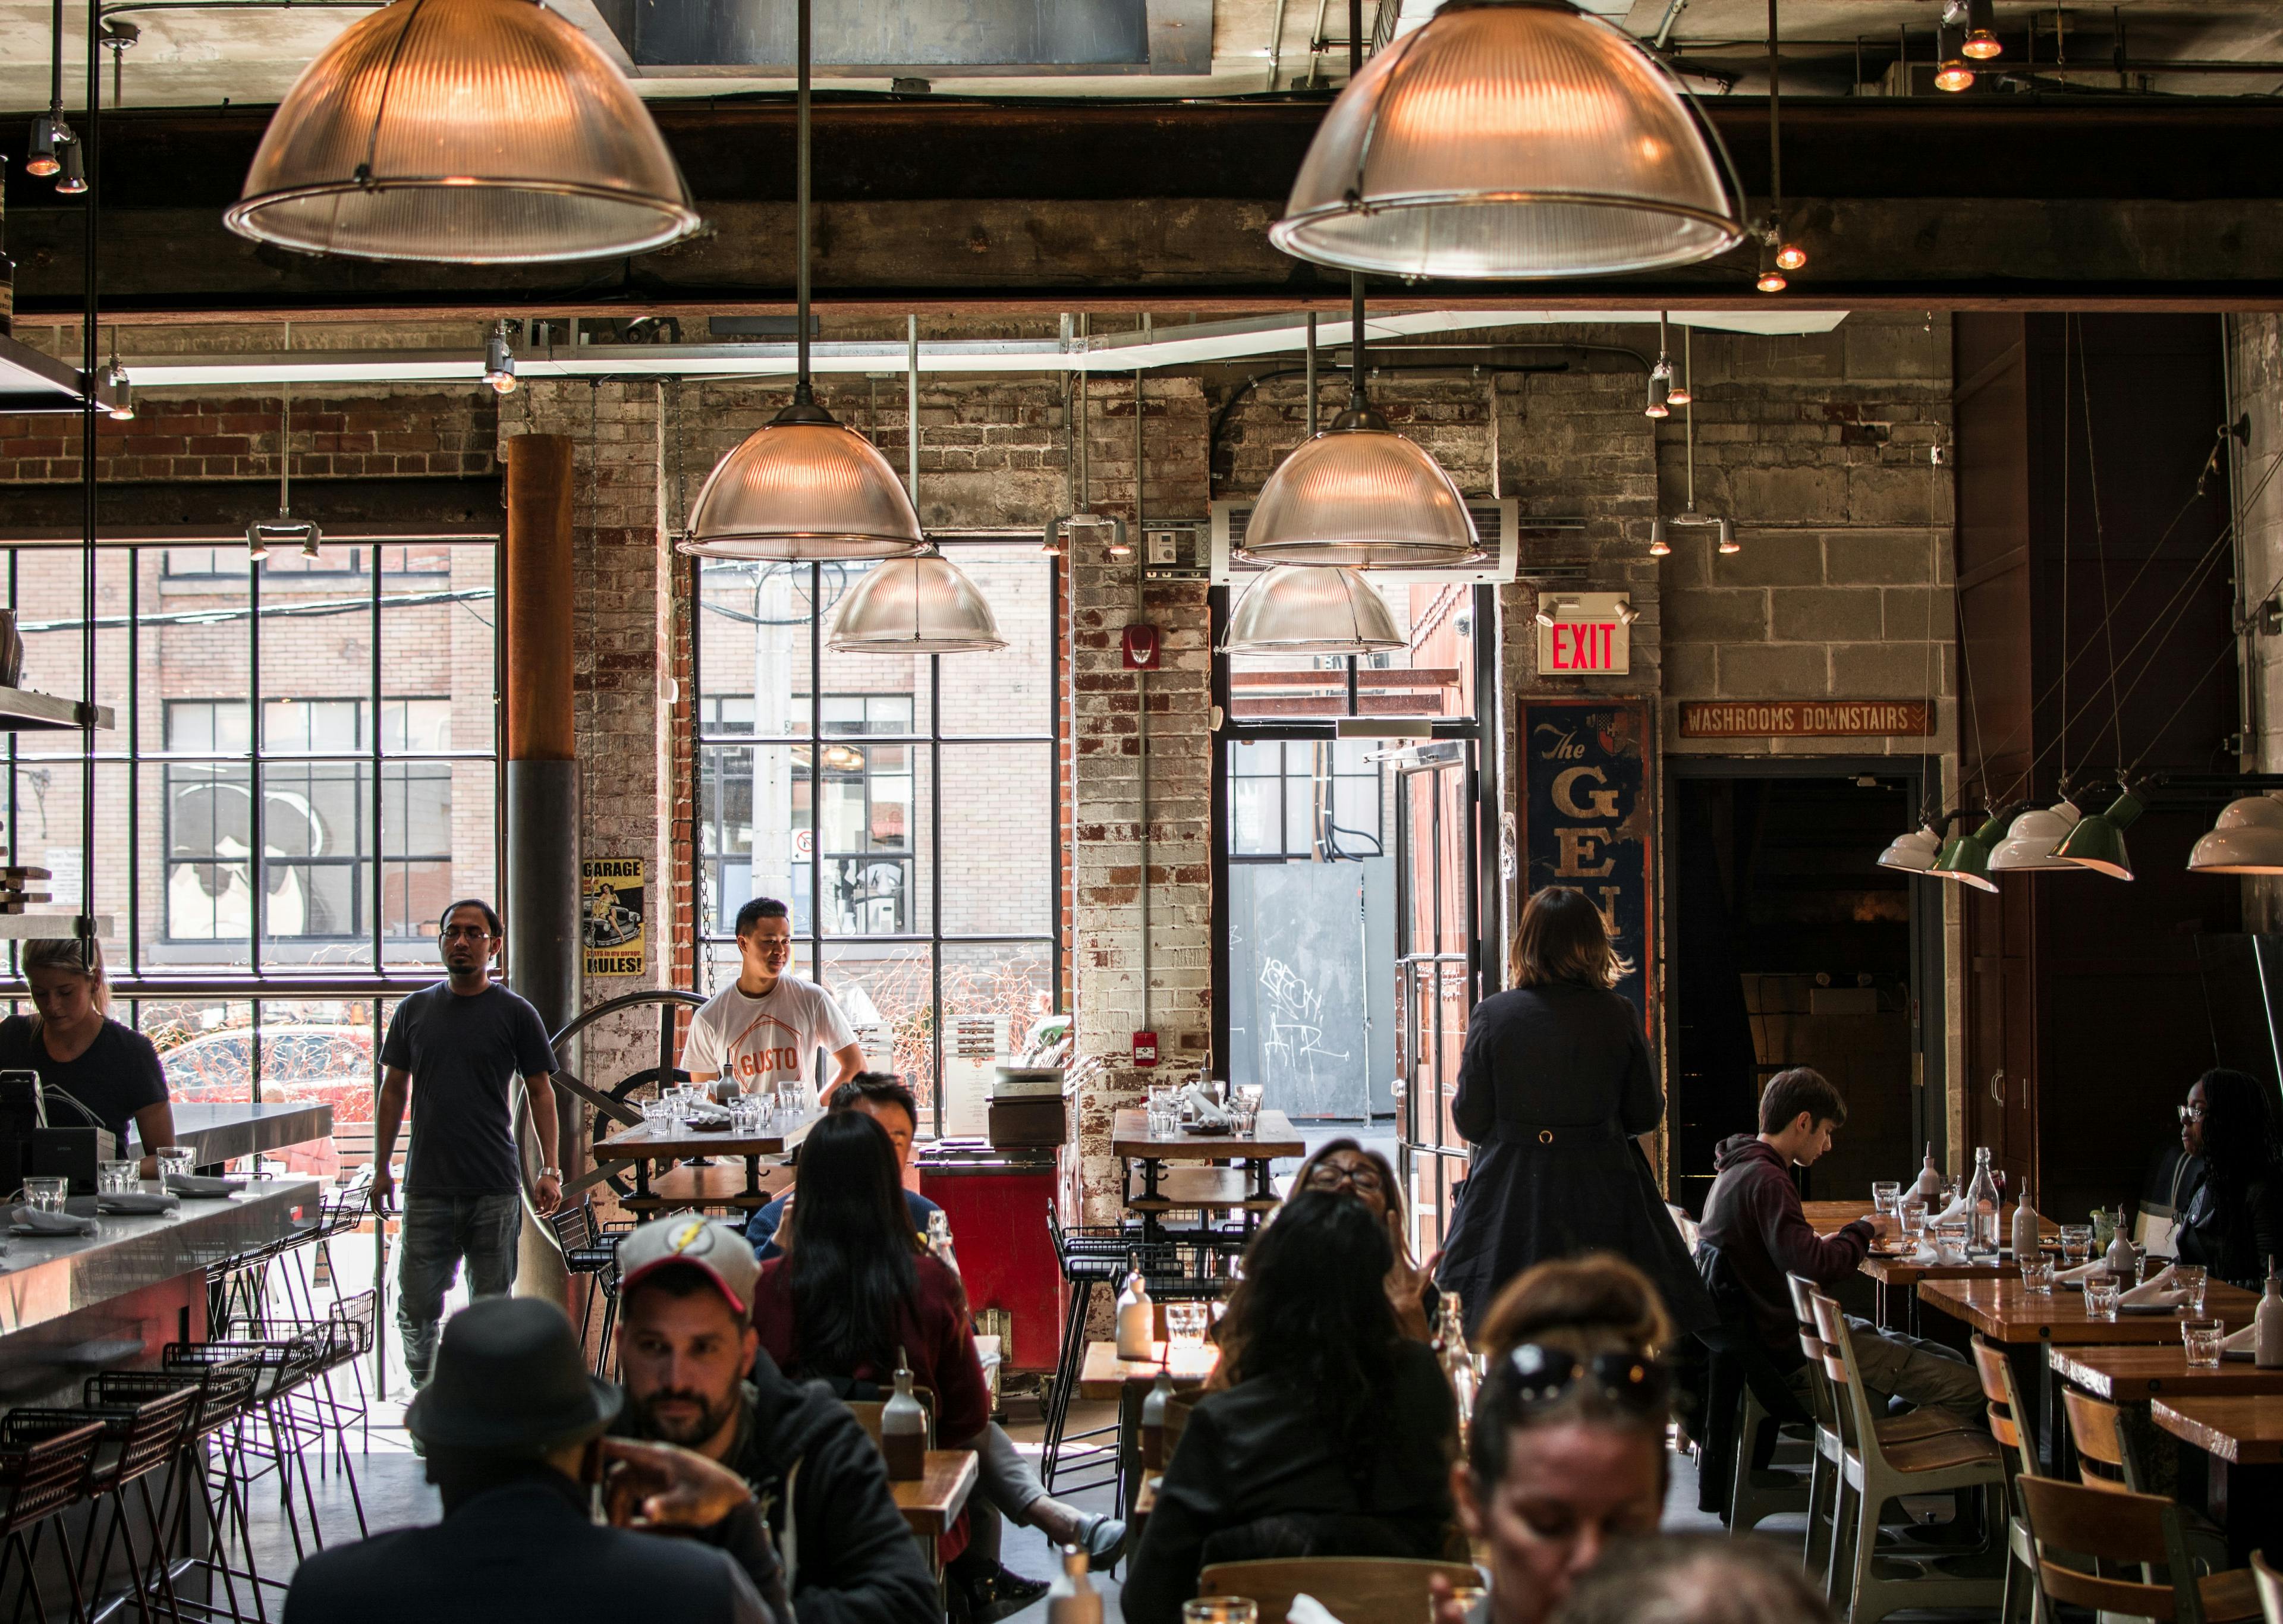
{"x":109,"y":1072}
{"x":1755,"y":1232}
{"x":1344,"y":1167}
{"x":2234,"y":1221}
{"x":691,"y":1364}
{"x":883,"y":1097}
{"x":855,"y":1293}
{"x":1328,"y":1433}
{"x":1566,"y":1451}
{"x":1694,"y":1579}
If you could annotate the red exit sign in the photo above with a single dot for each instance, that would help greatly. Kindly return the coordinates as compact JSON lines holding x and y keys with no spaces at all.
{"x":1588,"y":637}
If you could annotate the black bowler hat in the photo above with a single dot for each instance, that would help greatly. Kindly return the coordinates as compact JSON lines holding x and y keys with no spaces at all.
{"x":508,"y":1380}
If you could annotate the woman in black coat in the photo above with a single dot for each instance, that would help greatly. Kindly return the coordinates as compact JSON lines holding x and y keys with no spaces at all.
{"x":2234,"y":1221}
{"x":1554,"y":1084}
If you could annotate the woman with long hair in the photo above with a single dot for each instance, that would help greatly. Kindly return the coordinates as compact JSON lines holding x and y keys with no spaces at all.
{"x":2234,"y":1222}
{"x":1555,"y":1084}
{"x":1345,"y":1168}
{"x":1566,"y":1451}
{"x":109,"y":1072}
{"x":1327,"y":1432}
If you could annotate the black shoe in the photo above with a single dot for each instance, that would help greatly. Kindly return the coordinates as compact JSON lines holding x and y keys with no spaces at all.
{"x":1001,"y":1593}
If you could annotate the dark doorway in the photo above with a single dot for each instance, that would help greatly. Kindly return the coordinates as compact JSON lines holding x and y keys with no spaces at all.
{"x":1793,"y":947}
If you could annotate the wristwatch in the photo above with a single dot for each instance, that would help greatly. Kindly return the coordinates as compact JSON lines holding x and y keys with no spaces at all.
{"x":551,"y":1172}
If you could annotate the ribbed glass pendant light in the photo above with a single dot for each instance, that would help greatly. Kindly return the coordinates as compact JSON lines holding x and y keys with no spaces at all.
{"x":1308,"y":609}
{"x":467,"y":132}
{"x":802,"y":486}
{"x":1360,"y":495}
{"x":1509,"y":138}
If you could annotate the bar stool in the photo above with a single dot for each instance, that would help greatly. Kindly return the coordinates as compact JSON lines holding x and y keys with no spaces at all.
{"x":45,"y":1468}
{"x":138,"y":1438}
{"x":343,"y":1337}
{"x":591,"y":1251}
{"x":220,"y":1392}
{"x":281,"y":1367}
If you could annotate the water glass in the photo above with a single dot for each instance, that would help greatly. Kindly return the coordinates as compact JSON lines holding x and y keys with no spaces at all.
{"x":174,"y":1160}
{"x":1164,"y":1116}
{"x":2202,"y":1338}
{"x":2038,"y":1277}
{"x":1185,"y":1323}
{"x":43,"y":1194}
{"x":1466,"y":1598}
{"x":113,"y":1177}
{"x":1911,"y":1211}
{"x":1221,"y":1610}
{"x":1950,"y":1241}
{"x":658,"y":1114}
{"x":2101,"y":1292}
{"x":1885,"y":1195}
{"x":2190,"y":1278}
{"x":2076,"y":1243}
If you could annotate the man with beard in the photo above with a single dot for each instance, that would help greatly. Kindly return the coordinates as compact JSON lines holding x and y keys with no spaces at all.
{"x":695,"y":1375}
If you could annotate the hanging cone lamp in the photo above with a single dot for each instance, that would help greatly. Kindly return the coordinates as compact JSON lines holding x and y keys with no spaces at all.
{"x":1511,"y":138}
{"x":463,"y":132}
{"x":1360,"y":495}
{"x":2247,"y":840}
{"x":1302,"y":608}
{"x":1915,"y":852}
{"x":2098,"y":842}
{"x":922,"y":605}
{"x":802,"y":486}
{"x":2030,"y":845}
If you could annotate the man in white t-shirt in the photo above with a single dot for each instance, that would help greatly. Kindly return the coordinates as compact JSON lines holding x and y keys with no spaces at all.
{"x":761,"y":1032}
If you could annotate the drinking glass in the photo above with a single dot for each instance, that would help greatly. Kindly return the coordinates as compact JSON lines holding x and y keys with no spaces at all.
{"x":112,"y":1178}
{"x":45,"y":1194}
{"x":2202,"y":1338}
{"x":2104,"y":1229}
{"x":2076,"y":1243}
{"x":1467,"y":1598}
{"x":2101,"y":1295}
{"x":1950,"y":1241}
{"x":1185,"y":1323}
{"x":1221,"y":1610}
{"x":1165,"y":1119}
{"x":658,"y":1114}
{"x":174,"y":1160}
{"x":2038,"y":1277}
{"x":1912,"y":1211}
{"x":2190,"y":1278}
{"x":1885,"y":1194}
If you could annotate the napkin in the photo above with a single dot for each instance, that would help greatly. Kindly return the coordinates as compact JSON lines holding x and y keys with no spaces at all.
{"x":195,"y":1183}
{"x":42,"y":1223}
{"x":2157,"y":1292}
{"x":1307,"y":1610}
{"x":142,"y":1202}
{"x":1952,"y":1212}
{"x":2245,"y":1341}
{"x":1211,"y":1112}
{"x":2083,"y":1273}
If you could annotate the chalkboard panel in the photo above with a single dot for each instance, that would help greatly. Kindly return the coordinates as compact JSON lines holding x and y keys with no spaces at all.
{"x":1311,"y":1000}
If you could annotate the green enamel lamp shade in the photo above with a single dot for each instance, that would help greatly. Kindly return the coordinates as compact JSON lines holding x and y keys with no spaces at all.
{"x":1966,"y":858}
{"x":2097,"y":842}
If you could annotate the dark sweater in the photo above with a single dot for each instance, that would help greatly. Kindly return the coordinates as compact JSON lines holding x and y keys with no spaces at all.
{"x":1753,"y":1215}
{"x":2232,"y":1238}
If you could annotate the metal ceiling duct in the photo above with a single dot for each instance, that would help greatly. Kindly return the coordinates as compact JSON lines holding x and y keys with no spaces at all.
{"x":467,"y":132}
{"x":1511,"y":138}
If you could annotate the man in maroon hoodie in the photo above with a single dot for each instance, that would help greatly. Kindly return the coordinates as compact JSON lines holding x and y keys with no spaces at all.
{"x":1753,"y":1215}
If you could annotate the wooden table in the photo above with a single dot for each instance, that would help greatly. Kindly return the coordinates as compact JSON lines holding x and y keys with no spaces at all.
{"x":2137,"y":1375}
{"x":1895,"y":1279}
{"x":643,"y":1145}
{"x":1105,"y":1375}
{"x":1162,"y":1191}
{"x":932,"y":1501}
{"x":2242,"y":1439}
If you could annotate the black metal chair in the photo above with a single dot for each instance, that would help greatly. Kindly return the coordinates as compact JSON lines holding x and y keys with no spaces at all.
{"x":220,"y":1392}
{"x":590,"y":1251}
{"x":282,"y":1366}
{"x":44,"y":1471}
{"x":139,"y":1438}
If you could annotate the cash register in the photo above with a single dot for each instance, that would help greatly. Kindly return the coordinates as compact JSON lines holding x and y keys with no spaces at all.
{"x":30,"y":1148}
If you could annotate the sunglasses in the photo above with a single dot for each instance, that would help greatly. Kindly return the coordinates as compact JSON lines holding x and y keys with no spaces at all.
{"x":1543,"y":1375}
{"x":1330,"y":1175}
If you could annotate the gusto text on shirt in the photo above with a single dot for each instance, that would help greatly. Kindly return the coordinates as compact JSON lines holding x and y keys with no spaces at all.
{"x":760,"y":1062}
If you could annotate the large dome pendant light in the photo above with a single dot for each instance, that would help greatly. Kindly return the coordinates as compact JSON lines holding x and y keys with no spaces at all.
{"x":1308,"y":609}
{"x":802,"y":486}
{"x":1512,"y":138}
{"x":463,"y":132}
{"x":919,"y":605}
{"x":2030,"y":845}
{"x":2247,"y":840}
{"x":1360,"y":495}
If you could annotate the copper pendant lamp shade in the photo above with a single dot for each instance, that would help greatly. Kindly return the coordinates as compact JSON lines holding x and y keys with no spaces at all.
{"x":803,"y":486}
{"x":1360,"y":495}
{"x":1297,"y":609}
{"x":470,"y":132}
{"x":923,"y":605}
{"x":1510,"y":138}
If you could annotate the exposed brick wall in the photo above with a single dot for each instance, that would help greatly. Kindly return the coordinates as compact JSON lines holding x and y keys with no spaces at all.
{"x":335,"y":437}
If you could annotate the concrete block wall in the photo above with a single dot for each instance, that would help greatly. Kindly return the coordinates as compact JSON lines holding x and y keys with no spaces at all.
{"x":2256,"y":380}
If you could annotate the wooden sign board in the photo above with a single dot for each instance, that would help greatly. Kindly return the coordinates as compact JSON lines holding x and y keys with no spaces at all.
{"x":1589,"y":819}
{"x":1801,"y":719}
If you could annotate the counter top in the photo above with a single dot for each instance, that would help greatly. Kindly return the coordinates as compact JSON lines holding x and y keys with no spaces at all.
{"x":224,"y":1130}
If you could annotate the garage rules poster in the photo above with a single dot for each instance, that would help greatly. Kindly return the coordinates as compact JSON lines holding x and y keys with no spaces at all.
{"x":613,"y":915}
{"x":1589,"y":818}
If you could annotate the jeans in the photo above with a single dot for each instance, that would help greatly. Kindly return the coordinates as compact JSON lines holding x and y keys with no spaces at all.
{"x":437,"y":1231}
{"x":1007,"y":1485}
{"x":1925,"y":1375}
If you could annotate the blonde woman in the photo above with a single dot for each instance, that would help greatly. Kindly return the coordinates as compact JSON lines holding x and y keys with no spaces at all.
{"x":1555,"y":1083}
{"x":110,"y":1069}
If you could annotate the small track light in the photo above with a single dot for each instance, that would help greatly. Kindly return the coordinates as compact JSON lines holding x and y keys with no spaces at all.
{"x":1772,"y":279}
{"x":1658,"y":546}
{"x":312,"y":547}
{"x":1548,"y":608}
{"x":1626,"y":613}
{"x":48,"y":139}
{"x":499,"y":359}
{"x":283,"y":531}
{"x":1955,"y":73}
{"x":75,"y":176}
{"x":1660,"y":389}
{"x":1679,"y":394}
{"x":1791,"y":257}
{"x":115,"y":390}
{"x":1729,"y":542}
{"x":1977,"y":20}
{"x":257,"y":541}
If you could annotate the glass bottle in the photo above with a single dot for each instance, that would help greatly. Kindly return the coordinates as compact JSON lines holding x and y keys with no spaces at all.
{"x":2026,"y":1238}
{"x":1928,"y":1187}
{"x":1981,"y":1208}
{"x":2267,"y":1352}
{"x":1137,"y":1316}
{"x":1072,"y":1598}
{"x":2124,"y":1257}
{"x":939,"y":1239}
{"x":903,"y":1428}
{"x":1153,"y":1422}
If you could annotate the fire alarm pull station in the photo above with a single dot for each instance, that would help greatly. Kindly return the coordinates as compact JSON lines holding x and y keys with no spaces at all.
{"x":1140,"y":646}
{"x":1145,"y":1048}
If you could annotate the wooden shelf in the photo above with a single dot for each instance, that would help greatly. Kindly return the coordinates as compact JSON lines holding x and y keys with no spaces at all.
{"x":24,"y":926}
{"x":22,"y":710}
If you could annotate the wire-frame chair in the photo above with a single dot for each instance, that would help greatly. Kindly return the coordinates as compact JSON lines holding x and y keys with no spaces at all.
{"x":343,"y":1337}
{"x":221,"y":1393}
{"x":139,"y":1438}
{"x":269,"y":1426}
{"x":45,"y":1468}
{"x":590,"y":1251}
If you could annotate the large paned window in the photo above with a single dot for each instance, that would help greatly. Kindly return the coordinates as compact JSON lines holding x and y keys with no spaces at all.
{"x":904,"y":808}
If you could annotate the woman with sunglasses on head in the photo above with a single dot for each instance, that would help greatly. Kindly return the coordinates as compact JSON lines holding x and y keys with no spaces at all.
{"x":1567,"y":1449}
{"x":1344,"y":1168}
{"x":1555,"y":1084}
{"x":1328,"y":1434}
{"x":2234,"y":1221}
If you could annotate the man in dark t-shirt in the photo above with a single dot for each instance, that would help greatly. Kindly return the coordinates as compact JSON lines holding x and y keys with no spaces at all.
{"x":464,"y":1041}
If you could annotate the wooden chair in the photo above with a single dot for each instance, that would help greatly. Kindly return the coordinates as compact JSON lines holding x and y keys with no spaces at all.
{"x":2009,"y":1425}
{"x":2269,"y":1584}
{"x":1877,"y":1470}
{"x":1358,"y":1589}
{"x":2097,"y":1526}
{"x":1682,"y":1222}
{"x":2106,"y":1461}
